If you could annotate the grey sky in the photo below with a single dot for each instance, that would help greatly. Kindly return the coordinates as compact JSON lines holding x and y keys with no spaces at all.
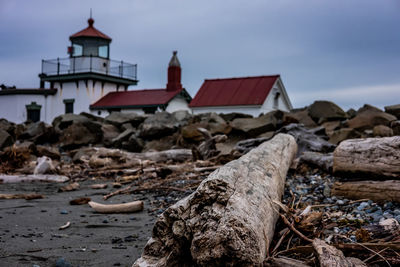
{"x":347,"y":51}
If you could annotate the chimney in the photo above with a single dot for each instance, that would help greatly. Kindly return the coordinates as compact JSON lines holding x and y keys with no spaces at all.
{"x":174,"y":73}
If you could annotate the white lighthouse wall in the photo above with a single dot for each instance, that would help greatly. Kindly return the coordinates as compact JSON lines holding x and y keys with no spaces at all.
{"x":82,"y":95}
{"x":13,"y":107}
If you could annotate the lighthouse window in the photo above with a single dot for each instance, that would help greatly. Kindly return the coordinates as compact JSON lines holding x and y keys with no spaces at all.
{"x":33,"y":112}
{"x":103,"y":51}
{"x":76,"y":50}
{"x":69,"y":105}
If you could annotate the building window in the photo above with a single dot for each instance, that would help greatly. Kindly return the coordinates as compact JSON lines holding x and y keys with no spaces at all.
{"x":33,"y":112}
{"x":276,"y":100}
{"x":69,"y":105}
{"x":77,"y":50}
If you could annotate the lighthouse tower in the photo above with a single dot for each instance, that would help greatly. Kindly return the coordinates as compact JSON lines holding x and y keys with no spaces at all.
{"x":87,"y":74}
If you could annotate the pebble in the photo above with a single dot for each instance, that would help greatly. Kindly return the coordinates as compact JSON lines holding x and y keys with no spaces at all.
{"x":105,"y":221}
{"x":363,"y":206}
{"x":63,"y":212}
{"x":61,"y":262}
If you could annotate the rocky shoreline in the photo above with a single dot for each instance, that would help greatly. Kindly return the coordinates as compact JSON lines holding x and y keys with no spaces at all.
{"x":162,"y":158}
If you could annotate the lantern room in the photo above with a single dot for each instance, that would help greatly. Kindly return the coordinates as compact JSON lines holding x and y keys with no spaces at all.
{"x":89,"y":42}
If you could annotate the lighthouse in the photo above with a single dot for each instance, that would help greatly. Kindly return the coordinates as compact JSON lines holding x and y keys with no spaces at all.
{"x":87,"y":74}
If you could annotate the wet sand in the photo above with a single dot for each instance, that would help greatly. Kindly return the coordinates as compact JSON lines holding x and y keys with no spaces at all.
{"x":29,"y":229}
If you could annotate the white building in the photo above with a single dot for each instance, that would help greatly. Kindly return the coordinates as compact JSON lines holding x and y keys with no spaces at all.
{"x":74,"y":83}
{"x":248,"y":95}
{"x":172,"y":98}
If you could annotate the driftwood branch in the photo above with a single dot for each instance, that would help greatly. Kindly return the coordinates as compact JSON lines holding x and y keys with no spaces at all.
{"x":117,"y":208}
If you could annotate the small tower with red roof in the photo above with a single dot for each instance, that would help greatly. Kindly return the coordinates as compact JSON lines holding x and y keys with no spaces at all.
{"x":174,"y":73}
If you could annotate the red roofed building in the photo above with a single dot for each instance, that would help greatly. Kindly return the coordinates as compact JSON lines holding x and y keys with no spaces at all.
{"x":172,"y":98}
{"x":249,"y":95}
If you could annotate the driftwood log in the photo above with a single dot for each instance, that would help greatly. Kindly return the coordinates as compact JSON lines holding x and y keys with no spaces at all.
{"x":378,"y":191}
{"x":129,"y":207}
{"x":230,"y":218}
{"x":371,"y":157}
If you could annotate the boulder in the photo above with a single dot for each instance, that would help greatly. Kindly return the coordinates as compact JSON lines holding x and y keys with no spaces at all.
{"x":109,"y":133}
{"x":382,"y":131}
{"x":40,"y":133}
{"x":190,"y":132}
{"x":306,"y":139}
{"x":331,"y":126}
{"x":182,"y":116}
{"x":63,"y":121}
{"x":299,"y":116}
{"x":7,"y":126}
{"x":321,"y":111}
{"x":92,"y":117}
{"x":394,"y":110}
{"x":134,"y":144}
{"x":339,"y":135}
{"x":255,"y":126}
{"x":164,"y":143}
{"x":368,"y":117}
{"x":159,"y":125}
{"x":118,"y":118}
{"x":351,"y":113}
{"x":77,"y":135}
{"x":48,"y":151}
{"x":395,"y":125}
{"x":234,"y":115}
{"x":214,"y":123}
{"x":5,"y":139}
{"x":122,"y":137}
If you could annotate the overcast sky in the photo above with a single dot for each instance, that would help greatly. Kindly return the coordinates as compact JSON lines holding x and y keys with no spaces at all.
{"x":346,"y":51}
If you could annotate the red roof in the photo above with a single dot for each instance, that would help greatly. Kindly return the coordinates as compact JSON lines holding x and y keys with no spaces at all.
{"x":90,"y":31}
{"x":234,"y":91}
{"x":136,"y":98}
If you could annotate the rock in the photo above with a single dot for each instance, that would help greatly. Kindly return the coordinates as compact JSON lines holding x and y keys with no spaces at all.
{"x":395,"y":125}
{"x":339,"y":135}
{"x":92,"y":117}
{"x":7,"y":126}
{"x":382,"y":131}
{"x":321,"y":111}
{"x":306,"y":139}
{"x":63,"y":121}
{"x":394,"y":110}
{"x":182,"y":116}
{"x":40,"y":133}
{"x":234,"y":115}
{"x":61,"y":262}
{"x":109,"y":133}
{"x":190,"y":132}
{"x":368,"y":117}
{"x":331,"y":126}
{"x":44,"y":165}
{"x":299,"y":116}
{"x":165,"y":143}
{"x":118,"y":118}
{"x":245,"y":146}
{"x":255,"y":126}
{"x":77,"y":135}
{"x":134,"y":144}
{"x":214,"y":123}
{"x":122,"y":137}
{"x":351,"y":113}
{"x":323,"y":161}
{"x":48,"y":151}
{"x":159,"y":125}
{"x":5,"y":139}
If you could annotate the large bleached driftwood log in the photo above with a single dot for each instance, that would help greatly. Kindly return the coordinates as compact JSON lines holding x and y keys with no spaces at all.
{"x":230,"y":219}
{"x":371,"y":157}
{"x":378,"y":191}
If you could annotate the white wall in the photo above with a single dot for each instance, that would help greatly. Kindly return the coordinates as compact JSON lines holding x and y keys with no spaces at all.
{"x":13,"y":107}
{"x":177,"y":103}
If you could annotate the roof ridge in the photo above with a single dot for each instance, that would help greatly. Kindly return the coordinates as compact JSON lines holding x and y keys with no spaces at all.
{"x":246,"y":77}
